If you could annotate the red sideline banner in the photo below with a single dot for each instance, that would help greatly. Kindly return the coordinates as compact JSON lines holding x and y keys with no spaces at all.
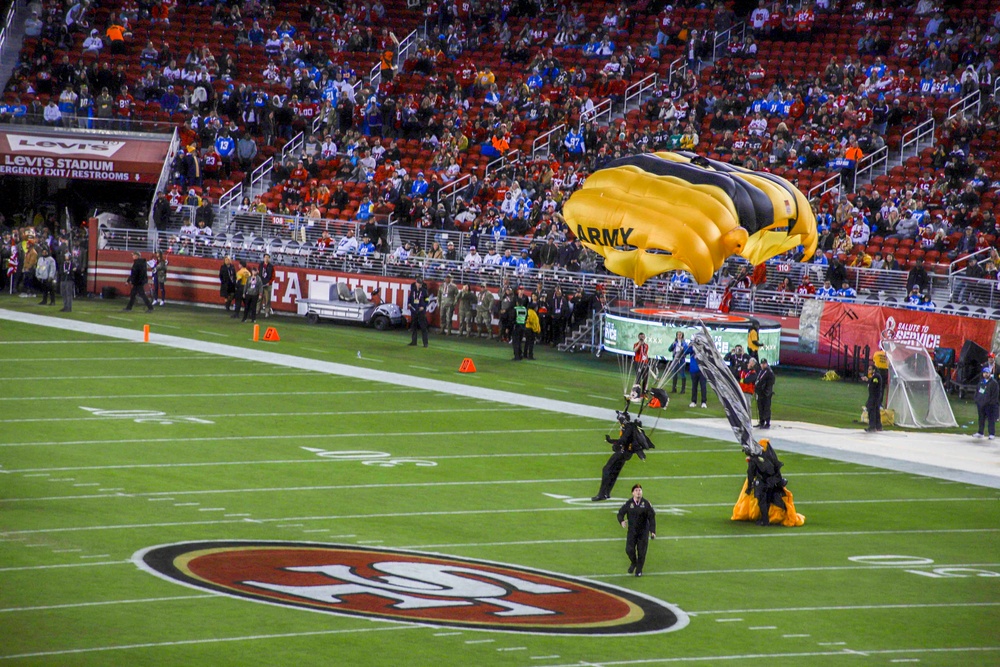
{"x":196,"y":280}
{"x":851,"y":324}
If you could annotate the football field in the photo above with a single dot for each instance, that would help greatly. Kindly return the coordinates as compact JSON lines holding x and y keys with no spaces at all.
{"x":171,"y":505}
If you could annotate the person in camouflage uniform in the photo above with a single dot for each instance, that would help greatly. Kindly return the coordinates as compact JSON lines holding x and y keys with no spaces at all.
{"x":466,"y":309}
{"x":447,"y":298}
{"x":484,"y":313}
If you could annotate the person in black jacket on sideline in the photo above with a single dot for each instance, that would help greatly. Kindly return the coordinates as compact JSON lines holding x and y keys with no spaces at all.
{"x":137,"y":279}
{"x":227,"y":281}
{"x":641,"y":526}
{"x":988,"y":404}
{"x":764,"y":389}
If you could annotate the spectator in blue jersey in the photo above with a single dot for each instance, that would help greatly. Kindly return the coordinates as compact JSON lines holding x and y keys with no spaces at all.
{"x":366,"y":248}
{"x":225,"y":146}
{"x":524,"y":263}
{"x":574,"y":143}
{"x":498,"y":231}
{"x":535,"y":81}
{"x":846,"y":293}
{"x":419,"y":187}
{"x":508,"y":259}
{"x":914,"y":298}
{"x":827,"y":292}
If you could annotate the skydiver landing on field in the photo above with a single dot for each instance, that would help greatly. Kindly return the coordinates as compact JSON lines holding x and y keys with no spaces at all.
{"x":765,"y":482}
{"x":641,"y":360}
{"x":631,"y":441}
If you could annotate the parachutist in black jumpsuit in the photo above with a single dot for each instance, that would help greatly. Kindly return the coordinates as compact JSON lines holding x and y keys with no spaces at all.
{"x":630,"y":442}
{"x":765,"y":482}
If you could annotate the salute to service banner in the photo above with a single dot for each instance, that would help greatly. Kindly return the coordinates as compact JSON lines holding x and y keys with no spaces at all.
{"x":851,"y":324}
{"x":51,"y":153}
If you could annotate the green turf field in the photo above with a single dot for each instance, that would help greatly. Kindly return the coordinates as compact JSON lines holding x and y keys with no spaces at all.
{"x":111,"y":447}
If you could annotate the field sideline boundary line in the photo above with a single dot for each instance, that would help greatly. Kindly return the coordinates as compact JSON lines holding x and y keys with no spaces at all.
{"x":971,"y":475}
{"x":226,"y":394}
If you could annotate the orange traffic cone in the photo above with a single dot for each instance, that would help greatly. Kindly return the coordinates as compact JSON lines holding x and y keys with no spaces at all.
{"x":145,"y":333}
{"x":467,"y":366}
{"x":256,"y":333}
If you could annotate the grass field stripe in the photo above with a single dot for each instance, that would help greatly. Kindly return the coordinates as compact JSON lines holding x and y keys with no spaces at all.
{"x":227,"y":394}
{"x":76,"y":605}
{"x":558,"y":480}
{"x":209,"y":640}
{"x":435,"y":457}
{"x":425,"y":368}
{"x":763,"y":627}
{"x":35,"y":360}
{"x":212,"y":333}
{"x":269,"y":415}
{"x":779,"y":656}
{"x":310,"y":436}
{"x":727,"y":620}
{"x":853,"y":607}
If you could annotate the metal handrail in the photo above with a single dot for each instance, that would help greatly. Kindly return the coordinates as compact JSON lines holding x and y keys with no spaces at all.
{"x":601,"y":110}
{"x":454,"y":187}
{"x":963,"y":105}
{"x":5,"y":30}
{"x":952,"y":271}
{"x":915,"y":136}
{"x":636,"y":90}
{"x":722,"y":39}
{"x":542,"y":141}
{"x":869,"y":163}
{"x":677,"y":67}
{"x":829,"y":185}
{"x":161,"y":183}
{"x":504,"y":162}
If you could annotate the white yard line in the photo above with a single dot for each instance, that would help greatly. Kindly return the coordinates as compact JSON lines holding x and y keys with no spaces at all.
{"x":26,"y":568}
{"x":425,"y":368}
{"x":856,"y":607}
{"x":66,"y":342}
{"x":76,"y":605}
{"x":434,"y":457}
{"x":212,"y":333}
{"x":555,"y":480}
{"x":153,"y":376}
{"x":36,"y":360}
{"x":787,"y":658}
{"x":271,"y":415}
{"x":225,"y":394}
{"x":311,"y":436}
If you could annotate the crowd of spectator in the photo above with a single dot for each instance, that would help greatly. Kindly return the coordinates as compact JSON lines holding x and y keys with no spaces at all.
{"x":556,"y":63}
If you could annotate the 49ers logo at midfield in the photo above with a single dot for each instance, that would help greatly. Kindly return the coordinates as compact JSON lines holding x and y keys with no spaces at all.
{"x":407,"y":586}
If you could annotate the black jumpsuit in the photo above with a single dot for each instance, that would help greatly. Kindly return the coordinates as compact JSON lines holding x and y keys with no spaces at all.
{"x":641,"y":522}
{"x":765,"y":482}
{"x":623,"y":448}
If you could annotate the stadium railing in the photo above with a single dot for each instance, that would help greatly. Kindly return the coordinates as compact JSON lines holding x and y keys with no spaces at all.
{"x":635,"y":92}
{"x":541,"y":146}
{"x":832,"y":184}
{"x":969,"y":103}
{"x":914,"y":138}
{"x":868,"y":164}
{"x":296,"y":247}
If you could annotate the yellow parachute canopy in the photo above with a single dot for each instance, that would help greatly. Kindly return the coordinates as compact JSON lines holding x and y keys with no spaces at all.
{"x":653,"y":213}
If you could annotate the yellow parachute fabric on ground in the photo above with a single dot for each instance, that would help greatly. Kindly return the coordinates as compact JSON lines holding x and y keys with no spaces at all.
{"x":747,"y":509}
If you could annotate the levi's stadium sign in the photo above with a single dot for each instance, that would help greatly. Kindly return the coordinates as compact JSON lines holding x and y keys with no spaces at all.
{"x":51,"y":153}
{"x":410,"y":587}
